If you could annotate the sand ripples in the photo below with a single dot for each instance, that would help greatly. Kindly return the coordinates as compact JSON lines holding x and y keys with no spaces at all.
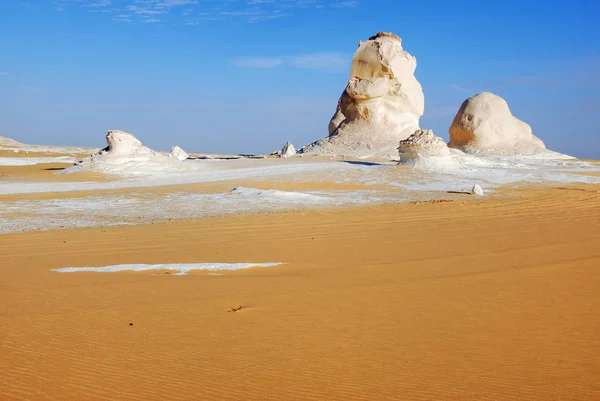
{"x":492,"y":299}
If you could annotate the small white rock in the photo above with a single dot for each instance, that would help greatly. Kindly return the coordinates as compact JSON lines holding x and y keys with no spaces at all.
{"x":477,"y":190}
{"x":178,"y":153}
{"x":288,"y":150}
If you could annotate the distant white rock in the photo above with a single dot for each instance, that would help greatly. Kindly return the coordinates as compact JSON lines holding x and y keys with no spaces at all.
{"x":381,"y":105}
{"x":424,"y":150}
{"x":477,"y":190}
{"x":122,"y":143}
{"x":484,"y":123}
{"x":4,"y":141}
{"x":288,"y":150}
{"x":126,"y":155}
{"x":178,"y":153}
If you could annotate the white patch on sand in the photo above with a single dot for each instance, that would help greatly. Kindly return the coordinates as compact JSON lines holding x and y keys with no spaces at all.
{"x":394,"y":184}
{"x":131,"y":209}
{"x":180,"y":268}
{"x":300,"y":197}
{"x":29,"y":161}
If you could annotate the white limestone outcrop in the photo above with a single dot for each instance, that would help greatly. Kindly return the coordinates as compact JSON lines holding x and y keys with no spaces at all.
{"x":122,"y":143}
{"x":4,"y":141}
{"x":381,"y":105}
{"x":484,"y":123}
{"x":178,"y":153}
{"x":126,"y":155}
{"x":288,"y":150}
{"x":423,"y":149}
{"x":477,"y":190}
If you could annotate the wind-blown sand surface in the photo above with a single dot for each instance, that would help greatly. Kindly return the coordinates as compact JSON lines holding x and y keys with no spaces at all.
{"x":470,"y":299}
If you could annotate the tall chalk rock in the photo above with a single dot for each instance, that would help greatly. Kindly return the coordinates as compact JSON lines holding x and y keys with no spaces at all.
{"x":484,"y":123}
{"x":381,"y":105}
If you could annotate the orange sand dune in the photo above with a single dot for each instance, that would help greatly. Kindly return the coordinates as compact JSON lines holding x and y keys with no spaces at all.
{"x":493,"y":299}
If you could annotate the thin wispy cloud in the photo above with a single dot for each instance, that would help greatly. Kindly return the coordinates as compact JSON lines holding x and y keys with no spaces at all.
{"x":344,"y":4}
{"x":99,"y":3}
{"x":460,"y":89}
{"x":258,"y":62}
{"x":3,"y":74}
{"x":194,"y":12}
{"x":325,"y":61}
{"x":320,"y":61}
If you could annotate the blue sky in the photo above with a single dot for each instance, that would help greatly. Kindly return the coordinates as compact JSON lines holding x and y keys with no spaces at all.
{"x":245,"y":76}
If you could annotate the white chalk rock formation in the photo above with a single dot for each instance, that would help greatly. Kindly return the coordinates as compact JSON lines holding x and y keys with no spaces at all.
{"x":381,"y":105}
{"x":424,"y":149}
{"x":121,"y":143}
{"x":484,"y":123}
{"x":477,"y":190}
{"x":4,"y":141}
{"x":178,"y":153}
{"x":126,"y":155}
{"x":288,"y":150}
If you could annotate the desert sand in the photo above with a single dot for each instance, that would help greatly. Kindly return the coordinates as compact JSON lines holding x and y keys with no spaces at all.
{"x":475,"y":298}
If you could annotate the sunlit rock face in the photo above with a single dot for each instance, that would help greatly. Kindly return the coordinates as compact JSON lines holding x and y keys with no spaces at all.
{"x":126,"y":155}
{"x":288,"y":150}
{"x":178,"y":153}
{"x":425,"y":150}
{"x":381,"y":105}
{"x":121,"y":143}
{"x":484,"y":123}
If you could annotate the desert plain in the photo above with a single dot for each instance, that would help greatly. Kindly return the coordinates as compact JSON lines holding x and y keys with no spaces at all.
{"x":448,"y":297}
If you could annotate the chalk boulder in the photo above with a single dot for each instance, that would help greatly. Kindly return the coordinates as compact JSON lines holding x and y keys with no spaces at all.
{"x":477,"y":190}
{"x":484,"y":123}
{"x":381,"y":105}
{"x":423,"y":149}
{"x":288,"y":150}
{"x":178,"y":153}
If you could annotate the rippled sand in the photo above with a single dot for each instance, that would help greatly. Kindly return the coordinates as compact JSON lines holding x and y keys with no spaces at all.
{"x":488,"y":299}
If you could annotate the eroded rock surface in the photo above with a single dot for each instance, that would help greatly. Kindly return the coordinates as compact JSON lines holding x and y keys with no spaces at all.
{"x":381,"y":105}
{"x":484,"y":123}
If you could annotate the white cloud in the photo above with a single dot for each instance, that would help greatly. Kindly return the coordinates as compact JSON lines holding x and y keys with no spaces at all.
{"x":460,"y":89}
{"x":258,"y":62}
{"x":345,"y":4}
{"x":315,"y":61}
{"x":3,"y":73}
{"x":320,"y":61}
{"x":188,"y":11}
{"x":173,"y":3}
{"x":99,"y":3}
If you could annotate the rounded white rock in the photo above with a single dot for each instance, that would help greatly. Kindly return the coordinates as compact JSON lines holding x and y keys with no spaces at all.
{"x":484,"y":123}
